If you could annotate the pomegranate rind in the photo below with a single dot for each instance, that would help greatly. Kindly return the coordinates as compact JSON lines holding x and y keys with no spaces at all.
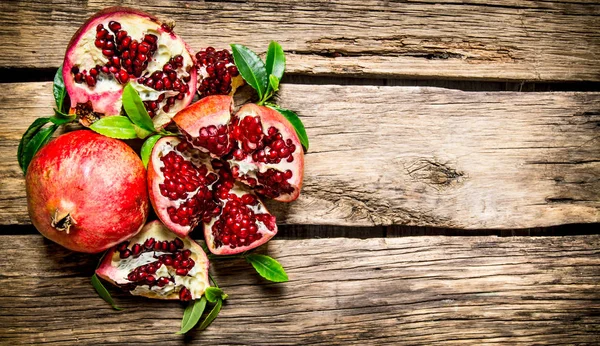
{"x":210,"y":110}
{"x":60,"y":182}
{"x":109,"y":102}
{"x":271,"y":118}
{"x":155,"y":178}
{"x":239,"y":190}
{"x":115,"y":270}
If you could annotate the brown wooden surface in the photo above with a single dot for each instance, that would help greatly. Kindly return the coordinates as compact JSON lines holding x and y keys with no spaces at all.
{"x":412,"y":290}
{"x":388,"y":158}
{"x":503,"y":40}
{"x":410,"y":156}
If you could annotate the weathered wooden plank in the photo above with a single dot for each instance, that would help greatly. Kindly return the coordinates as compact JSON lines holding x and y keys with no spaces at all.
{"x":504,"y":40}
{"x":414,"y":290}
{"x":411,"y":156}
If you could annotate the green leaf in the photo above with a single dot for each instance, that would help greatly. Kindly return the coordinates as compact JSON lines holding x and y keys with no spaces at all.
{"x":116,"y":126}
{"x":61,"y":118}
{"x":147,"y":148}
{"x":27,"y":136}
{"x":213,"y":294}
{"x":140,"y":132}
{"x":275,"y":62}
{"x":192,"y":315}
{"x":134,"y":107}
{"x":296,"y":122}
{"x":41,"y":138}
{"x":103,"y":292}
{"x":212,"y":315}
{"x":58,"y":89}
{"x":251,"y":68}
{"x":273,"y":83}
{"x":267,"y":267}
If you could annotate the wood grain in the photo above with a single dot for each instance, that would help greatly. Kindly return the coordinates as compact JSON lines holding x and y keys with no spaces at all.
{"x":413,"y":290}
{"x":503,"y":40}
{"x":406,"y":155}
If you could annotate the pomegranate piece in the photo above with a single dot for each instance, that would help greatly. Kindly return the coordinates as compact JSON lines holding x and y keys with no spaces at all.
{"x":243,"y":223}
{"x":157,"y":264}
{"x":219,"y":74}
{"x":188,"y":189}
{"x":87,"y":192}
{"x":118,"y":46}
{"x":259,"y":144}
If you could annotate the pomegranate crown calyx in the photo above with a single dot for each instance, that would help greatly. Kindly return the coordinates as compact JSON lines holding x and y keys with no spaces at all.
{"x":62,"y":222}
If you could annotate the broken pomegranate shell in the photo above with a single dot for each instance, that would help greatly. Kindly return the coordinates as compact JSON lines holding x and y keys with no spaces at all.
{"x":219,"y":75}
{"x":121,"y":45}
{"x":260,"y":145}
{"x":188,"y":188}
{"x":157,"y":264}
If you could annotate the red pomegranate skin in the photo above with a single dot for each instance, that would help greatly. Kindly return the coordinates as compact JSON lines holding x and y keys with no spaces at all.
{"x":95,"y":182}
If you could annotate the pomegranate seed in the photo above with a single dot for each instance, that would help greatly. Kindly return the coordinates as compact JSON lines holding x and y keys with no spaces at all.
{"x":114,"y":26}
{"x":125,"y":254}
{"x":91,"y":81}
{"x":149,"y":243}
{"x":136,"y":249}
{"x":179,"y":244}
{"x":121,"y":35}
{"x":162,"y":281}
{"x":181,"y":271}
{"x":185,"y":294}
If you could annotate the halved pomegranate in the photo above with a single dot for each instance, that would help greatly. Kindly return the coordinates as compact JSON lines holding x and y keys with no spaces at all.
{"x":188,"y":188}
{"x":121,"y":45}
{"x":259,"y":144}
{"x":157,"y":264}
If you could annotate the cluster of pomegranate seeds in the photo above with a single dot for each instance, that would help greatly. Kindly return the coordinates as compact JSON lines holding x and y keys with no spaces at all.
{"x":126,"y":56}
{"x":175,"y":257}
{"x":237,"y":225}
{"x":220,"y":71}
{"x":213,"y":138}
{"x":167,"y":79}
{"x":273,"y":183}
{"x":182,"y":178}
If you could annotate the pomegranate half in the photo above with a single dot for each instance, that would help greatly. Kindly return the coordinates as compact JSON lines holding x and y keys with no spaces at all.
{"x":157,"y":264}
{"x":87,"y":192}
{"x":121,"y":45}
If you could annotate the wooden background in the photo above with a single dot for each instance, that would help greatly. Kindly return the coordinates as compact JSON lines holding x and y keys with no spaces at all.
{"x":452,"y":187}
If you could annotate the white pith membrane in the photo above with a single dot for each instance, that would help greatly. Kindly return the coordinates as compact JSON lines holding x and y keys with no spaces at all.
{"x":116,"y":269}
{"x":105,"y":95}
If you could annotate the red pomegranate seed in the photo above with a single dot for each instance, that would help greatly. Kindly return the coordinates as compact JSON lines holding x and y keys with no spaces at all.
{"x":114,"y":26}
{"x":136,"y":249}
{"x":149,"y":243}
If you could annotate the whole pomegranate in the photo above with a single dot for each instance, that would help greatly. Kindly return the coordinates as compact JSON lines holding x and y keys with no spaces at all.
{"x":121,"y":45}
{"x":213,"y":176}
{"x":157,"y":264}
{"x":87,"y":192}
